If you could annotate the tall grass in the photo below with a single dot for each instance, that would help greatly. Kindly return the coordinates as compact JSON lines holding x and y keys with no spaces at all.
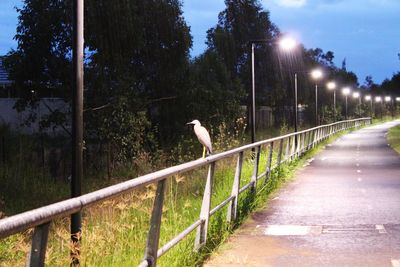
{"x":115,"y":231}
{"x":394,"y":138}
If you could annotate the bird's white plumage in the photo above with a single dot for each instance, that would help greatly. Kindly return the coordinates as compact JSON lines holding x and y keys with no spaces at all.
{"x":203,"y":135}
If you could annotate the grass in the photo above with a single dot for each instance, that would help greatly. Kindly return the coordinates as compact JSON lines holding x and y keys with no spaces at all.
{"x":394,"y":138}
{"x":115,"y":231}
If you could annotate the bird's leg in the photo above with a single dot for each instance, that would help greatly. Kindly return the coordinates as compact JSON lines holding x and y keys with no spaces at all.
{"x":204,"y":152}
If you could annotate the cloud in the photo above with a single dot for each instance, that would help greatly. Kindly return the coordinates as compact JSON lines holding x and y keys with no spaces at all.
{"x":291,"y":3}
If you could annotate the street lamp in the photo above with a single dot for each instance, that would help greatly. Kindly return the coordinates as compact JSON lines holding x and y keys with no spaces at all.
{"x":332,"y":86}
{"x":357,"y":95}
{"x":369,"y":98}
{"x":286,"y":43}
{"x":346,"y":91}
{"x":387,"y":100}
{"x":316,"y":75}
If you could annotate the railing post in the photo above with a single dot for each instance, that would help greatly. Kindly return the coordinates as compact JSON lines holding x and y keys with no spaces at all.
{"x":37,"y":254}
{"x":314,"y":137}
{"x":280,"y":152}
{"x":299,"y":142}
{"x":232,"y":209}
{"x":255,"y":170}
{"x":202,"y":230}
{"x":287,"y":150}
{"x":310,"y":138}
{"x":153,"y":237}
{"x":293,"y":151}
{"x":269,"y":162}
{"x":319,"y":135}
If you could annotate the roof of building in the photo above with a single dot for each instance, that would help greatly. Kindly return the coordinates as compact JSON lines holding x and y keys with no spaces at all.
{"x":4,"y":79}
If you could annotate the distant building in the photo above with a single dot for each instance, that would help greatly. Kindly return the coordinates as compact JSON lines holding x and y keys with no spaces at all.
{"x":5,"y":82}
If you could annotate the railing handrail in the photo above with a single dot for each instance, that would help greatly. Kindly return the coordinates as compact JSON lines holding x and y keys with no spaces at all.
{"x":17,"y":223}
{"x":33,"y":218}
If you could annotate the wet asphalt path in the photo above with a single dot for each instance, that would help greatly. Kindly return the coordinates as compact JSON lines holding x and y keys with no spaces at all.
{"x":343,"y":209}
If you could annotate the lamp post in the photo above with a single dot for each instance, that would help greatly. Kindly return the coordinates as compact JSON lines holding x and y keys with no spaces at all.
{"x":253,"y":97}
{"x":332,"y":86}
{"x":388,"y":99}
{"x":316,"y":75}
{"x":378,"y":99}
{"x":77,"y":125}
{"x":346,"y":91}
{"x":369,"y":98}
{"x":357,"y":95}
{"x":397,"y":100}
{"x":295,"y":102}
{"x":286,"y":44}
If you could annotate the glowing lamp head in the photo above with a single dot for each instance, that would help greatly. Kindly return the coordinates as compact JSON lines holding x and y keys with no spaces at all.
{"x":331,"y":85}
{"x":346,"y":91}
{"x":287,"y":43}
{"x":316,"y":74}
{"x":356,"y":95}
{"x":368,"y":98}
{"x":387,"y":98}
{"x":378,"y":99}
{"x":397,"y":99}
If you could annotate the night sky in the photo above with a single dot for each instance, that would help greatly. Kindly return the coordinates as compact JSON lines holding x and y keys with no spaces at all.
{"x":365,"y":32}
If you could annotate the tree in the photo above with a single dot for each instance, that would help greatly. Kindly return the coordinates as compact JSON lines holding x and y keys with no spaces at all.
{"x":137,"y":55}
{"x":391,"y":86}
{"x":213,"y":96}
{"x":241,"y":22}
{"x":142,"y":55}
{"x":318,"y":56}
{"x":40,"y":66}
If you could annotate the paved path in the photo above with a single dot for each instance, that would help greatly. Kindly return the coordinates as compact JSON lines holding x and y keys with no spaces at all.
{"x":342,"y":210}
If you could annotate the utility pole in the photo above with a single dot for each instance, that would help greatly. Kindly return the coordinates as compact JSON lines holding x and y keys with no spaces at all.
{"x":77,"y":126}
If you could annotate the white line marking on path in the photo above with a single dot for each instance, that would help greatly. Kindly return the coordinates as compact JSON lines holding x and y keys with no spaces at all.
{"x":292,"y":230}
{"x":395,"y":263}
{"x":381,"y":229}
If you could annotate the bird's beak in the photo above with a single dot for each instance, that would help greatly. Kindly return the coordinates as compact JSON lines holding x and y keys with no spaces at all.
{"x":189,"y":123}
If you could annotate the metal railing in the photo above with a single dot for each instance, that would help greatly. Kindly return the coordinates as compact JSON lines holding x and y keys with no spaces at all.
{"x":289,"y":147}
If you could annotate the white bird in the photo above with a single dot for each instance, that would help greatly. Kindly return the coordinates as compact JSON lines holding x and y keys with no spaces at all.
{"x":203,"y":136}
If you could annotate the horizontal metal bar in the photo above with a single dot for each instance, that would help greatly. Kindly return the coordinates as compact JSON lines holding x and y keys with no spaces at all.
{"x":178,"y":238}
{"x":20,"y":222}
{"x":245,"y":187}
{"x":221,"y":205}
{"x":29,"y":219}
{"x":261,"y":175}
